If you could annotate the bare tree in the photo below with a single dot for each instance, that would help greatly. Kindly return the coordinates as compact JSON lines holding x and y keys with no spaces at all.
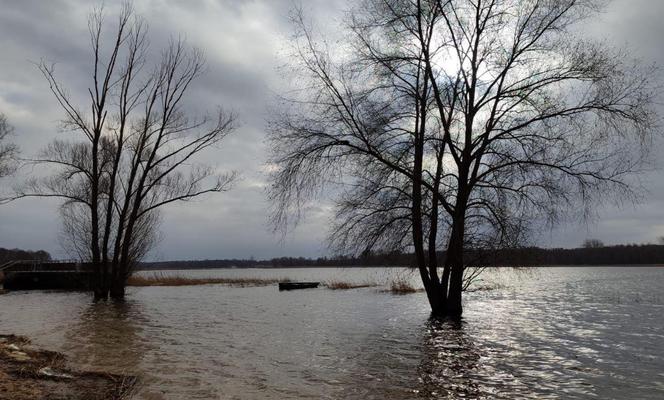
{"x":8,"y":150}
{"x":458,"y":125}
{"x":135,"y":153}
{"x":592,"y":244}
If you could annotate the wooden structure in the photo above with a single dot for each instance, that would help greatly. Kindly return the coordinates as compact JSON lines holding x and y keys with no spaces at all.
{"x":46,"y":275}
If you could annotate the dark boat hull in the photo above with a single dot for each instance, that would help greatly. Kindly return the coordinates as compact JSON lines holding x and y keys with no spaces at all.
{"x":297,"y":285}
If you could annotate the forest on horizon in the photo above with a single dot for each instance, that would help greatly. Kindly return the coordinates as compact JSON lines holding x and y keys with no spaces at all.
{"x":530,"y":256}
{"x":592,"y":253}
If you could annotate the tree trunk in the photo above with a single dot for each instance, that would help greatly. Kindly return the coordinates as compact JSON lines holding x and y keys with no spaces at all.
{"x":454,"y":264}
{"x":453,"y":306}
{"x":117,"y":291}
{"x":121,"y":270}
{"x":100,"y":287}
{"x":118,"y":281}
{"x":437,"y":299}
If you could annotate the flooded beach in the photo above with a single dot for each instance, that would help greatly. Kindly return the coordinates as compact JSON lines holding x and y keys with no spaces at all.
{"x":221,"y":200}
{"x":545,"y":333}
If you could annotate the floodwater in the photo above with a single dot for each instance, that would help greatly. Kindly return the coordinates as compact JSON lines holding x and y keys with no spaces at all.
{"x":554,"y":333}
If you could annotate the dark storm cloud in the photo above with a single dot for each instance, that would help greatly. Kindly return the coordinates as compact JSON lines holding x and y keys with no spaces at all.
{"x":244,"y":43}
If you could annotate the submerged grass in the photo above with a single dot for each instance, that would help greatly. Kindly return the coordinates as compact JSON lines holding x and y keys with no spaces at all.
{"x":402,"y":286}
{"x":484,"y":288}
{"x":157,"y":279}
{"x":343,"y":285}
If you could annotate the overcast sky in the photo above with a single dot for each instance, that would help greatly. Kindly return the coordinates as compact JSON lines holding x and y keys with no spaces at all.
{"x":244,"y":43}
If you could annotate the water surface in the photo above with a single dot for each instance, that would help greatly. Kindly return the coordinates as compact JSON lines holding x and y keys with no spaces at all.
{"x":549,"y":333}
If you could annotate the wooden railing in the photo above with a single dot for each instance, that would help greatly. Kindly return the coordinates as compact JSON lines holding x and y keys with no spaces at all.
{"x":41,"y":265}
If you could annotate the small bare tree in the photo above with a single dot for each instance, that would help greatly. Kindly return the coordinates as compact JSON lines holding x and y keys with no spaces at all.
{"x":592,"y":244}
{"x":458,"y":125}
{"x":136,"y":151}
{"x":8,"y":150}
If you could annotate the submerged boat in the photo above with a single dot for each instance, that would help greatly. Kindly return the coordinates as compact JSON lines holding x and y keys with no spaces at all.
{"x":297,"y":285}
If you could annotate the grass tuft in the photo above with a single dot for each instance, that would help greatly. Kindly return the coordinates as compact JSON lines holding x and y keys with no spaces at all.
{"x":402,"y":286}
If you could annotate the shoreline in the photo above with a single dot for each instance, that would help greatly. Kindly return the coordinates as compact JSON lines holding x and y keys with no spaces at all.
{"x":29,"y":372}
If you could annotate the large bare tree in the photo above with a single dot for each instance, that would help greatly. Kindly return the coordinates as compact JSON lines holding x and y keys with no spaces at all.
{"x":8,"y":150}
{"x":457,"y":125}
{"x":134,"y":152}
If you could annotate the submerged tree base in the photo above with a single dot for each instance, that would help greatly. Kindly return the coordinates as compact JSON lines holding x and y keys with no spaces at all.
{"x":30,"y":373}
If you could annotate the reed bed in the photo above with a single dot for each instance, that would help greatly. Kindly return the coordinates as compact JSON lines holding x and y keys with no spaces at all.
{"x":343,"y":285}
{"x":178,"y":280}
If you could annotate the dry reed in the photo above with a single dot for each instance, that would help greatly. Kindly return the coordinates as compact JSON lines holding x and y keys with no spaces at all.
{"x":177,"y":280}
{"x":342,"y":285}
{"x":402,"y":286}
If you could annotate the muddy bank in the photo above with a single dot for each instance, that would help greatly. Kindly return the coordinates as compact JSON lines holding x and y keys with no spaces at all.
{"x":27,"y":372}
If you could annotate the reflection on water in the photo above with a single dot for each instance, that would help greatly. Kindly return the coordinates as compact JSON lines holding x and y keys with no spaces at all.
{"x":449,"y":362}
{"x":107,"y":336}
{"x":554,"y":333}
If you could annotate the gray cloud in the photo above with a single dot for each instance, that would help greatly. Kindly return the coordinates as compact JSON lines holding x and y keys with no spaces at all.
{"x":244,"y":42}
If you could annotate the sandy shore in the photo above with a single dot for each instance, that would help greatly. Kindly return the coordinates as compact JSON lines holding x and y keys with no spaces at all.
{"x":27,"y":372}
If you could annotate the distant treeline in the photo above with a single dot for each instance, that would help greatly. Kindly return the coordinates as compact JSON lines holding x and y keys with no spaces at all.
{"x":531,"y":256}
{"x":345,"y":261}
{"x":607,"y":255}
{"x":7,"y":255}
